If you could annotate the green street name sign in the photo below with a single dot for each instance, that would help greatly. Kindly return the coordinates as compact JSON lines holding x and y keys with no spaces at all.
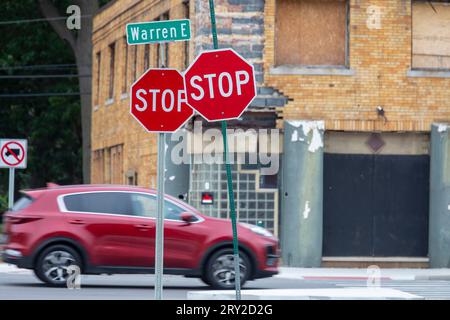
{"x":158,"y":31}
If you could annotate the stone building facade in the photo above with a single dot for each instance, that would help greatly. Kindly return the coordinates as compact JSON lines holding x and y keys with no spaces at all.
{"x":360,"y":91}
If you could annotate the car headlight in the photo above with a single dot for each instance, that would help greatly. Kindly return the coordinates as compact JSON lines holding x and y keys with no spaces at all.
{"x":258,"y":230}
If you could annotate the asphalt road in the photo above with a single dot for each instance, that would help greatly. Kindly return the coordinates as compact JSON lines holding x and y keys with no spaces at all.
{"x":24,"y":285}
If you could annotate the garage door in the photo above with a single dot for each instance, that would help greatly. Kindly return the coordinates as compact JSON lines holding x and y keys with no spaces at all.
{"x":376,"y":205}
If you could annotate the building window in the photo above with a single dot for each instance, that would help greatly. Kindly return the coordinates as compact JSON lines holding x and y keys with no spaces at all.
{"x":98,"y":66}
{"x":186,"y":43}
{"x":125,"y":66}
{"x":311,"y":32}
{"x":431,"y":35}
{"x":163,"y":48}
{"x":146,"y":57}
{"x":134,"y":62}
{"x":132,"y":178}
{"x":112,"y":57}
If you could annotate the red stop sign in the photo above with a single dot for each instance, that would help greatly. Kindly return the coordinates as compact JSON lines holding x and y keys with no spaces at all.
{"x":158,"y":100}
{"x":220,"y":84}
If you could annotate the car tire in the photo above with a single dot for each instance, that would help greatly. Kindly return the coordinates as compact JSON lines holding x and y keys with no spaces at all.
{"x":52,"y":265}
{"x":219,"y":270}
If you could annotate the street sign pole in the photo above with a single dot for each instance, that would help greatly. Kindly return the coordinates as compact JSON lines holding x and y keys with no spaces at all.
{"x":11,"y":188}
{"x":160,"y":219}
{"x":237,"y":273}
{"x":159,"y":256}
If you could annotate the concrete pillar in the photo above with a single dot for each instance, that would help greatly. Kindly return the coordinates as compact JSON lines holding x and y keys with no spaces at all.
{"x":177,"y":165}
{"x":302,"y":194}
{"x":439,"y":223}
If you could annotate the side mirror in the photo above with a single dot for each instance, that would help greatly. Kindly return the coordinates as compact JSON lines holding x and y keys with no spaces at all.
{"x":187,"y":217}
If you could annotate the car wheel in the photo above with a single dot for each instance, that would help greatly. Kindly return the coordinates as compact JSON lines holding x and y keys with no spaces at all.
{"x":219,"y":271}
{"x":205,"y":279}
{"x":52,"y":266}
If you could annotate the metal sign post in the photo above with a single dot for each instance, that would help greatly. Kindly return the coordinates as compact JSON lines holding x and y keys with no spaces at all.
{"x":11,"y":188}
{"x":159,"y":249}
{"x":159,"y":252}
{"x":237,"y":273}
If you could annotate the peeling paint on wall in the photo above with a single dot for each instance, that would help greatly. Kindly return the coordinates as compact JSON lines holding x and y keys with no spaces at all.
{"x":306,"y":211}
{"x":294,"y":136}
{"x":309,"y":126}
{"x":442,"y":128}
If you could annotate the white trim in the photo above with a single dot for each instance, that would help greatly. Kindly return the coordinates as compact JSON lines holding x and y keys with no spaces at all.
{"x":418,"y":73}
{"x":311,"y":71}
{"x":62,"y":206}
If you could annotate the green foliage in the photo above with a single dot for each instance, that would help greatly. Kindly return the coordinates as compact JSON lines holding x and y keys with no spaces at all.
{"x":3,"y":204}
{"x":52,"y":125}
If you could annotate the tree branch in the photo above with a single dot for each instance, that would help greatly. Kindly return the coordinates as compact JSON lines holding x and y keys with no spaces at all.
{"x":50,"y":11}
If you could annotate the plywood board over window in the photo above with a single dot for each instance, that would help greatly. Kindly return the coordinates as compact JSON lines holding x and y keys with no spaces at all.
{"x":431,"y":35}
{"x":311,"y":32}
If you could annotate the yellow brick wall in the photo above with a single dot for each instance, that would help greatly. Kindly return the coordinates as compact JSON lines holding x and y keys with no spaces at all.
{"x":112,"y":124}
{"x":380,"y":59}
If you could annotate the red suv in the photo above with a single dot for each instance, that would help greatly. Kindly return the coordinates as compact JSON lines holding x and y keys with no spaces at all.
{"x":111,"y":229}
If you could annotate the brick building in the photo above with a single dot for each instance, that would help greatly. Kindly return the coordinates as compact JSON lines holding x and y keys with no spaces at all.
{"x":361,"y":92}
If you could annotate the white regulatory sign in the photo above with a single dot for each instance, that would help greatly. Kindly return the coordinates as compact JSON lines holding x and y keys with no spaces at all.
{"x":13,"y":153}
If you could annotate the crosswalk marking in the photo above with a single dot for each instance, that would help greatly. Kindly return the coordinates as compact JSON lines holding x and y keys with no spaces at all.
{"x":428,"y":289}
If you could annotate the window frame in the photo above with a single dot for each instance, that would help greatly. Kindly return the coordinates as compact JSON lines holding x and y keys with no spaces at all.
{"x":63,"y":209}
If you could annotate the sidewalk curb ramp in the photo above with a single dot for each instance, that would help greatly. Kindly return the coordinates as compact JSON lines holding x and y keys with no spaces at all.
{"x":306,"y":294}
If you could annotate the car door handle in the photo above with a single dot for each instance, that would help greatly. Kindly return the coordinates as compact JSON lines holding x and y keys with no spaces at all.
{"x":77,"y":221}
{"x":143,"y":226}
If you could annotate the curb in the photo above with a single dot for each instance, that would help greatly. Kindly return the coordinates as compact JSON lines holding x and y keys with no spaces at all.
{"x":306,"y":294}
{"x":433,"y":277}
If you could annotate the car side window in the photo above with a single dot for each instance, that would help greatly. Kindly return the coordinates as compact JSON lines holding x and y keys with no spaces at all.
{"x":173,"y":212}
{"x":100,"y":202}
{"x":143,"y":205}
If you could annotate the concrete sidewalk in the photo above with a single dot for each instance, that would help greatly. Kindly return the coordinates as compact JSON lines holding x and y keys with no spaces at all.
{"x":363,"y":274}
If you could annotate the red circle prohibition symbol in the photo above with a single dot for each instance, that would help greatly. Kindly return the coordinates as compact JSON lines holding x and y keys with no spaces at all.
{"x":19,"y":159}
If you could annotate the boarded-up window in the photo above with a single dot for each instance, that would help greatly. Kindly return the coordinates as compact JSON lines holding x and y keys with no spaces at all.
{"x":431,"y":35}
{"x":116,"y":156}
{"x":97,"y":166}
{"x":108,"y":165}
{"x":311,"y":32}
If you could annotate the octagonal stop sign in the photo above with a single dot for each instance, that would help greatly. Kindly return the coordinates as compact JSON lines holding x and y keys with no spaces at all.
{"x":220,"y":84}
{"x":158,"y":100}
